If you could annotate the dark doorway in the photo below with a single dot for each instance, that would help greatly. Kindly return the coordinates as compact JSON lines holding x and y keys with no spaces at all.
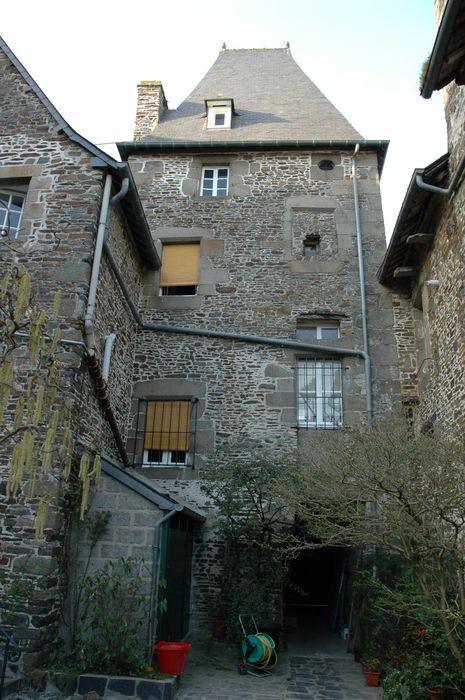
{"x":315,"y":594}
{"x":175,"y":578}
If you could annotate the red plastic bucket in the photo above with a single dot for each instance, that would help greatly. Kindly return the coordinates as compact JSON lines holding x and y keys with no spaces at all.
{"x":172,"y":657}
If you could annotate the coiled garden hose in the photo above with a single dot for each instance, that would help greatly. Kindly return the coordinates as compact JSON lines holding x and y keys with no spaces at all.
{"x":259,"y":651}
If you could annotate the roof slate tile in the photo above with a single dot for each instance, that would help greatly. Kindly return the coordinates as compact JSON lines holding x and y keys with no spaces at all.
{"x":274,"y":101}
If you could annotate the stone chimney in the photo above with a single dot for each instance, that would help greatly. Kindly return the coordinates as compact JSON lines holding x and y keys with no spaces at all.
{"x":151,"y":103}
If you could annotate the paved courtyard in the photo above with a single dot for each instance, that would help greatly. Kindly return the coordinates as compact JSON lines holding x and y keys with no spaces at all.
{"x":315,"y":665}
{"x":330,"y":674}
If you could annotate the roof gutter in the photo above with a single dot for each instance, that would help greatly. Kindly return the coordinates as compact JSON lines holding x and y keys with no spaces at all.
{"x":454,"y":183}
{"x":127,"y":148}
{"x":438,"y":53}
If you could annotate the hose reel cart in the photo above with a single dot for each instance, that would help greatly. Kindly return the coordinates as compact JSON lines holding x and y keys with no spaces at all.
{"x":258,"y":651}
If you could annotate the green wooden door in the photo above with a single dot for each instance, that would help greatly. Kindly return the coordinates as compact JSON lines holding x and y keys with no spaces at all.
{"x":175,"y":571}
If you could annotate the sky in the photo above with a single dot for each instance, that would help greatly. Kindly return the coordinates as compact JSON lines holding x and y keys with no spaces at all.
{"x":364,"y":55}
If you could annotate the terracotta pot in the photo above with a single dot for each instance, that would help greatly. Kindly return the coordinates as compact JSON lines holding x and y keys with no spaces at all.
{"x":372,"y":677}
{"x":434,"y":694}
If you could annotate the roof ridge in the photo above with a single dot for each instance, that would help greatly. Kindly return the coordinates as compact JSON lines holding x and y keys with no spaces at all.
{"x":263,"y":48}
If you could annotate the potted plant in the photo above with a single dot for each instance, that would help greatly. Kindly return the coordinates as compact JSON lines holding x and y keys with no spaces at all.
{"x":371,"y":669}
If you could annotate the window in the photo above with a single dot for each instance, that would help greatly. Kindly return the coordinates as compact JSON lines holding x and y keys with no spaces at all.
{"x":326,"y":165}
{"x":219,"y":113}
{"x":311,"y":246}
{"x":166,"y":433}
{"x":319,"y":393}
{"x":180,"y":269}
{"x":308,"y":331}
{"x":214,"y":181}
{"x":11,"y":209}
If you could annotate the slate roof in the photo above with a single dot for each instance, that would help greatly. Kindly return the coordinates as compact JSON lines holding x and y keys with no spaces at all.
{"x":418,"y":214}
{"x":273,"y":99}
{"x":448,"y":56}
{"x":144,"y":487}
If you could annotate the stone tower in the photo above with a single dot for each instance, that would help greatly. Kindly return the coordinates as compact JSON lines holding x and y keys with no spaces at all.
{"x":265,"y":322}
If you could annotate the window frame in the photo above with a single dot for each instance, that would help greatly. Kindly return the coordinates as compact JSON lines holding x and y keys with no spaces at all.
{"x":179,"y":290}
{"x":141,"y":451}
{"x":219,"y":106}
{"x":215,"y":168}
{"x":316,"y":402}
{"x":320,"y":328}
{"x":5,"y":209}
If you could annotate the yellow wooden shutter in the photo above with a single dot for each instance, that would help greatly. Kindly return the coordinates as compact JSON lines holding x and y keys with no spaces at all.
{"x":167,"y":425}
{"x":180,"y":264}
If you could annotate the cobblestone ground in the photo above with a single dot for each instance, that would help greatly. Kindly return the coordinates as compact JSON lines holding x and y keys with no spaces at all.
{"x":295,"y":678}
{"x":212,"y":674}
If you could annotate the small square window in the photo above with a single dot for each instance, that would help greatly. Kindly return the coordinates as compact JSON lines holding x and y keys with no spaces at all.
{"x":219,"y":113}
{"x":311,"y":246}
{"x":214,"y":181}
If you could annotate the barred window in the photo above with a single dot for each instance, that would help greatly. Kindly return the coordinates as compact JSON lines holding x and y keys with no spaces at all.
{"x":319,"y":393}
{"x":165,"y":433}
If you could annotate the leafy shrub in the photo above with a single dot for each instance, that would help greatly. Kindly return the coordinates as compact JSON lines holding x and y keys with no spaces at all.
{"x":110,"y":616}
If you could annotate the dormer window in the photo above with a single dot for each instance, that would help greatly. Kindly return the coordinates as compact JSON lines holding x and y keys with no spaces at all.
{"x":219,"y":113}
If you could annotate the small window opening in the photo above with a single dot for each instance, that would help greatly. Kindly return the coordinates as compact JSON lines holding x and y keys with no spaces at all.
{"x":311,"y":246}
{"x":219,"y":119}
{"x":326,"y":165}
{"x":308,"y":330}
{"x":181,"y":291}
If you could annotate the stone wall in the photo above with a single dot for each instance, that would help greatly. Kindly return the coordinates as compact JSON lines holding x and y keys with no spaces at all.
{"x":431,"y":323}
{"x":255,"y":279}
{"x":55,"y":243}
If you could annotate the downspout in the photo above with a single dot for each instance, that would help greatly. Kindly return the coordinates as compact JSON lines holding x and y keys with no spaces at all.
{"x":109,"y":340}
{"x":361,"y":272}
{"x":89,"y":331}
{"x":156,"y":552}
{"x":454,"y":183}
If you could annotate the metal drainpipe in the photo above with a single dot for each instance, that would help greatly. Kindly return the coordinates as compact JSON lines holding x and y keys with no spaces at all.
{"x":454,"y":183}
{"x":224,"y":335}
{"x":89,"y":332}
{"x":109,"y":340}
{"x":358,"y":227}
{"x":156,"y":551}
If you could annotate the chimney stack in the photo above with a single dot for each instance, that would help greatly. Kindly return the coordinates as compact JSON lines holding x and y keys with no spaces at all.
{"x":151,"y":103}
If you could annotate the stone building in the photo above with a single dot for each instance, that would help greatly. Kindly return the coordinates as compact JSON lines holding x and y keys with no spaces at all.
{"x":220,"y":299}
{"x":265,"y":321}
{"x":423,"y":265}
{"x":69,"y":212}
